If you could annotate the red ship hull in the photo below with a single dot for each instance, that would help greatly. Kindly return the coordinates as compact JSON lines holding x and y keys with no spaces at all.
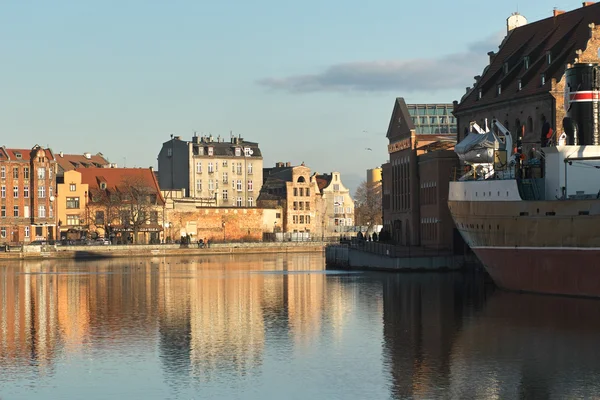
{"x":574,"y":272}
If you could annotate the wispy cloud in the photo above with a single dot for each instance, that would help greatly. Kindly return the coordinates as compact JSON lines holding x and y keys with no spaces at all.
{"x":452,"y":71}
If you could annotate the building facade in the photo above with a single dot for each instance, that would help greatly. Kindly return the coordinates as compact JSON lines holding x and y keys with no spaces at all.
{"x":523,"y":87}
{"x":216,"y":172}
{"x":337,"y":208}
{"x":293,"y":190}
{"x":123,"y":204}
{"x":27,"y":195}
{"x":436,"y":119}
{"x":415,"y":183}
{"x":71,"y":206}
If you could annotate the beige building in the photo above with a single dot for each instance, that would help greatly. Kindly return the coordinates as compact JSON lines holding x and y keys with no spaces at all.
{"x":292,"y":190}
{"x":214,"y":172}
{"x":337,"y":206}
{"x":71,"y":202}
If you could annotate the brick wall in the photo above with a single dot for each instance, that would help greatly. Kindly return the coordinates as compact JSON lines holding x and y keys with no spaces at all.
{"x":207,"y":223}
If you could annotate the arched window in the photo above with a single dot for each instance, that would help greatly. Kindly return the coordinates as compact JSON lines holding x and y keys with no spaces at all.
{"x":301,"y":179}
{"x":529,"y":125}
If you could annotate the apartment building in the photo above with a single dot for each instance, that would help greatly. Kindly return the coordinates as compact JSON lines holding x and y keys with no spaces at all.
{"x":212,"y":171}
{"x":27,"y":195}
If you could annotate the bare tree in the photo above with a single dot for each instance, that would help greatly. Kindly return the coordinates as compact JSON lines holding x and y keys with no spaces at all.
{"x":138,"y":201}
{"x":368,"y":208}
{"x":106,"y":201}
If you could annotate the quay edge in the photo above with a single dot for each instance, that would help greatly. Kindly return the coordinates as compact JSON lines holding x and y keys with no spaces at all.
{"x":344,"y":257}
{"x":163,"y":250}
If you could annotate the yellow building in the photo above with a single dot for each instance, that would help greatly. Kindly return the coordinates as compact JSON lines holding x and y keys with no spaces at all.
{"x":71,"y":206}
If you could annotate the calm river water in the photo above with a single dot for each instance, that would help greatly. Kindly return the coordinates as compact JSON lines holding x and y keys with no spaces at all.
{"x":282,"y":327}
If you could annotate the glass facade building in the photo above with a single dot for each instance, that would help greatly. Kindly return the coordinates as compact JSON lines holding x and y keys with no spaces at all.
{"x":435,"y":119}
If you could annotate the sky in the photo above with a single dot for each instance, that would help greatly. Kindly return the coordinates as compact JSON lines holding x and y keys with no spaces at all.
{"x":310,"y":81}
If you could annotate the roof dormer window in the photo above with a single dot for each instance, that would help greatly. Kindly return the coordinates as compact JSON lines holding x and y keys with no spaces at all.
{"x":505,"y":68}
{"x":479,"y":94}
{"x":238,"y":152}
{"x":210,"y":150}
{"x":543,"y":79}
{"x":519,"y":85}
{"x":526,"y":62}
{"x":549,"y":57}
{"x":499,"y":90}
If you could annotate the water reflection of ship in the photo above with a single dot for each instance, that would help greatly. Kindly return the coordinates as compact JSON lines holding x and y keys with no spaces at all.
{"x":421,"y":315}
{"x":528,"y":346}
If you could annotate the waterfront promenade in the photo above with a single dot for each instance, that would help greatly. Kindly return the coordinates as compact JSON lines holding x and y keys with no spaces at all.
{"x":33,"y":252}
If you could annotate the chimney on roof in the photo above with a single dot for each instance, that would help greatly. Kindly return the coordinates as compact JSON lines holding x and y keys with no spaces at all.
{"x":514,"y":21}
{"x":588,"y":3}
{"x":288,"y":164}
{"x":556,"y":12}
{"x":61,"y":154}
{"x":492,"y":55}
{"x":87,"y":155}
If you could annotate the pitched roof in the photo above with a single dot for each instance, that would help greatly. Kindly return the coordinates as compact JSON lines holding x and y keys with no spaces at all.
{"x":68,"y":162}
{"x":560,"y":36}
{"x":24,"y":154}
{"x":221,"y":148}
{"x":115,"y":177}
{"x":401,"y":122}
{"x":323,"y":181}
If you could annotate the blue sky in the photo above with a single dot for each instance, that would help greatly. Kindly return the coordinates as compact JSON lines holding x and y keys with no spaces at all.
{"x":311,"y":81}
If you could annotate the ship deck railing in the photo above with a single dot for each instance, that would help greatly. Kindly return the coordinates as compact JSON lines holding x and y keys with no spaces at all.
{"x":465,"y":173}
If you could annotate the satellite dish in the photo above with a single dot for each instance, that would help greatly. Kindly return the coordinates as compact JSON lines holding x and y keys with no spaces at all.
{"x":51,"y":198}
{"x":251,"y":152}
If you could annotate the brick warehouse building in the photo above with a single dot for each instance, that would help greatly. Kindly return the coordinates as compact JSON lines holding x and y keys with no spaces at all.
{"x":523,"y":85}
{"x":27,"y":190}
{"x":415,"y":180}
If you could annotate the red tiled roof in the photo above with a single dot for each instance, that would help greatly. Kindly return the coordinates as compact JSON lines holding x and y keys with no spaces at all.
{"x":561,"y":35}
{"x":25,"y":154}
{"x":114,"y":177}
{"x":70,"y":162}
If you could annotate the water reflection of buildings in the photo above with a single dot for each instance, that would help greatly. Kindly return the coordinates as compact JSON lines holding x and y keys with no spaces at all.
{"x":421,"y":315}
{"x":216,"y":312}
{"x":206,"y":316}
{"x":46,"y":309}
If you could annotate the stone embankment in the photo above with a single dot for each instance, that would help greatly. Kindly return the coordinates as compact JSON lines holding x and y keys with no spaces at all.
{"x":381,"y":257}
{"x":160,"y":250}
